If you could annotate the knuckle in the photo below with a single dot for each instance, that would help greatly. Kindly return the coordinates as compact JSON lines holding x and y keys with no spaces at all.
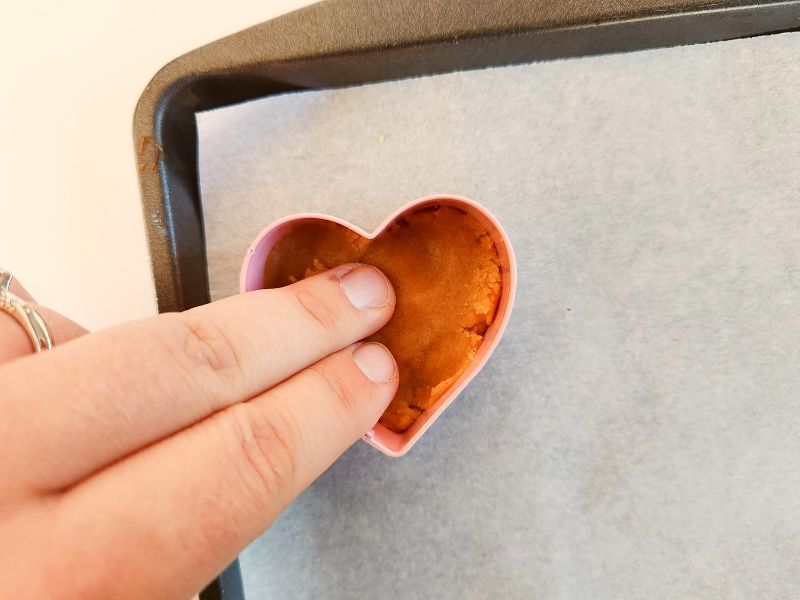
{"x":345,"y":394}
{"x":204,"y":346}
{"x":265,"y":447}
{"x":316,"y":307}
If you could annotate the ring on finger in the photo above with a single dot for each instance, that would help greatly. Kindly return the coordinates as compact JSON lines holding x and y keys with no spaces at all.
{"x":27,"y":316}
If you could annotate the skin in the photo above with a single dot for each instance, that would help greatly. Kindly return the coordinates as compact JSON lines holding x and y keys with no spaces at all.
{"x":137,"y":462}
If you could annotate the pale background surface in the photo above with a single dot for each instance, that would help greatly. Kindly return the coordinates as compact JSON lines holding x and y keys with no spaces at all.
{"x":636,"y":434}
{"x":72,"y":74}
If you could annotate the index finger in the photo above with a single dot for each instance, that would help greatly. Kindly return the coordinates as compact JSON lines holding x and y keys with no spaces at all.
{"x":108,"y":394}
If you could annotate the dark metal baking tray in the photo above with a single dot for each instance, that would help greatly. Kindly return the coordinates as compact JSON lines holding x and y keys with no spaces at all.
{"x":346,"y":42}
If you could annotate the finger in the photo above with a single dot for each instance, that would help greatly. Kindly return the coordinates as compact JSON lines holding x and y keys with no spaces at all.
{"x":166,"y":520}
{"x":15,"y":341}
{"x":113,"y":392}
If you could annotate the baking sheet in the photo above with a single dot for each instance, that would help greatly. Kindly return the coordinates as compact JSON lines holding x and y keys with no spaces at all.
{"x":636,"y":433}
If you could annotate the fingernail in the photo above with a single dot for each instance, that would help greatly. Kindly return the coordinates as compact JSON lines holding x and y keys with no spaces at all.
{"x":365,"y":287}
{"x":376,"y":362}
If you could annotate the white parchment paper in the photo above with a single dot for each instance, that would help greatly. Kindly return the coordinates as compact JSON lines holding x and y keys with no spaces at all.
{"x":637,"y":432}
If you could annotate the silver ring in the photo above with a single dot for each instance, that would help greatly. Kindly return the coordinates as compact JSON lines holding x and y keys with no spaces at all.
{"x":25,"y":314}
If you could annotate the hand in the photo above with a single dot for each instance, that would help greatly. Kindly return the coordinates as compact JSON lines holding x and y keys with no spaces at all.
{"x":138,"y":461}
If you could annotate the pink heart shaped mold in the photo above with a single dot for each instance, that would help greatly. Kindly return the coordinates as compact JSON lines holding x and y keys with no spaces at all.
{"x":382,"y":438}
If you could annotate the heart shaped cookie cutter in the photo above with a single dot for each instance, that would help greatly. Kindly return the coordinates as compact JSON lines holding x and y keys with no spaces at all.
{"x":387,"y":441}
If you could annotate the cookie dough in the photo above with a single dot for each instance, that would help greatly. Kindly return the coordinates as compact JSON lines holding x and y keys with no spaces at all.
{"x":446,"y":273}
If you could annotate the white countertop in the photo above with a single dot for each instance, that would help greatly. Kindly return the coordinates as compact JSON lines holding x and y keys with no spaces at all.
{"x":72,"y":229}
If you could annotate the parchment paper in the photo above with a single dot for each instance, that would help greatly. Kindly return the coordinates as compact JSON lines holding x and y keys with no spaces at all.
{"x":637,"y":432}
